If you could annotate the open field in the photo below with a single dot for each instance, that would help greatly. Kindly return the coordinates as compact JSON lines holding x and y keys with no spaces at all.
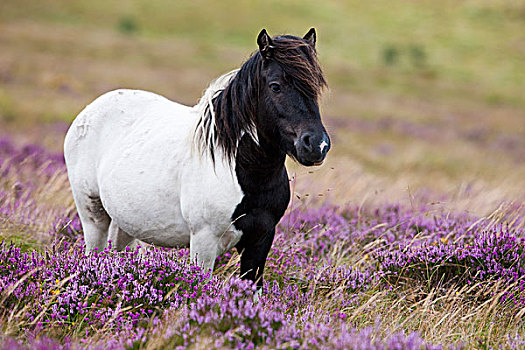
{"x":422,"y":94}
{"x":426,"y":109}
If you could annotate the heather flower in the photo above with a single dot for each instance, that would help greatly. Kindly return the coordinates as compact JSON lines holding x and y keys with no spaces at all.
{"x":106,"y":289}
{"x":324,"y":262}
{"x":495,"y":255}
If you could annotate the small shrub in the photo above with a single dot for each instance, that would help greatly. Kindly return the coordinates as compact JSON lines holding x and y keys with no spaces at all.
{"x":128,"y":25}
{"x":390,"y":55}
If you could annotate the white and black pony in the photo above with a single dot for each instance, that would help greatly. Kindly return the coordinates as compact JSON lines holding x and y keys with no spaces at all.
{"x":211,"y":176}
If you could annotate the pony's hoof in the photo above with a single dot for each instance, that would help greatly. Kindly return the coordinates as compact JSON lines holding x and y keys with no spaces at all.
{"x":257,"y":295}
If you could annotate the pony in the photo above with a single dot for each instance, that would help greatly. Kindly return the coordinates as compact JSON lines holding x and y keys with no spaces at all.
{"x":211,"y":177}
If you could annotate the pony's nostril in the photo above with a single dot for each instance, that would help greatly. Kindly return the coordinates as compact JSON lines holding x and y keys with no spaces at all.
{"x":307,"y":142}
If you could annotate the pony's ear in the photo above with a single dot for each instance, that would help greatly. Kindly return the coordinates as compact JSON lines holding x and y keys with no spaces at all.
{"x":311,"y":37}
{"x":265,"y":44}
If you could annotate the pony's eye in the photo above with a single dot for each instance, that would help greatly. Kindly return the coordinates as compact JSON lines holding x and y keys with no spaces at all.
{"x":275,"y":87}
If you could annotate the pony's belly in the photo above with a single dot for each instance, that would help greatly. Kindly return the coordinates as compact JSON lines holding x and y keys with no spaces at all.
{"x":150,"y":218}
{"x":170,"y":237}
{"x":147,"y":213}
{"x":167,"y":229}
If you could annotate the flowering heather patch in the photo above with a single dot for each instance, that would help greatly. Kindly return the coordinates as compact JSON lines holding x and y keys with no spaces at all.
{"x":33,"y":157}
{"x":324,"y":279}
{"x":356,"y":227}
{"x":65,"y":289}
{"x":229,"y":318}
{"x":68,"y":292}
{"x":68,"y":229}
{"x":35,"y":344}
{"x":496,"y":255}
{"x":46,"y":343}
{"x":33,"y":191}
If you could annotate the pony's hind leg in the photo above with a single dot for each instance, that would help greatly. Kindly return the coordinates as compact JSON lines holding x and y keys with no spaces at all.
{"x":95,"y":221}
{"x":203,"y":249}
{"x":119,"y":238}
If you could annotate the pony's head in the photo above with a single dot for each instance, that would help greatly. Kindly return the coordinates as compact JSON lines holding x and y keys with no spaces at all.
{"x":273,"y":98}
{"x":290,"y":83}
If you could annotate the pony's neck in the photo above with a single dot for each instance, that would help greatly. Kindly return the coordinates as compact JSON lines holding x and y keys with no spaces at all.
{"x":261,"y":160}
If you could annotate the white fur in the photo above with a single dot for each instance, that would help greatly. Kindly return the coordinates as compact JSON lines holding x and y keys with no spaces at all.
{"x":133,"y":149}
{"x":323,"y":145}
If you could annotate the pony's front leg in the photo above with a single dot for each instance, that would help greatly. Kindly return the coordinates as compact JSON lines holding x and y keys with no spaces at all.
{"x":253,"y":257}
{"x":203,"y":248}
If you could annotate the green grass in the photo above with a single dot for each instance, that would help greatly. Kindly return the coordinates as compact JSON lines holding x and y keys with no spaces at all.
{"x":469,"y":42}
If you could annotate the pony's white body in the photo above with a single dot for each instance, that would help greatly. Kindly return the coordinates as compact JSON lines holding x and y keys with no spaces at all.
{"x":136,"y":173}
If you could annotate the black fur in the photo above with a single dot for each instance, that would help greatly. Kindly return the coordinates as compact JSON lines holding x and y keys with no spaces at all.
{"x":264,"y":182}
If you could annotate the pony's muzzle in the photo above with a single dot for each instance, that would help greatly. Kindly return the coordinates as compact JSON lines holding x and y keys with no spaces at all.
{"x":312,"y":148}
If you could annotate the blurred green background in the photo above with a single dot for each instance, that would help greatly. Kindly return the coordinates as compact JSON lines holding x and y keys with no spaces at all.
{"x":423,"y":95}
